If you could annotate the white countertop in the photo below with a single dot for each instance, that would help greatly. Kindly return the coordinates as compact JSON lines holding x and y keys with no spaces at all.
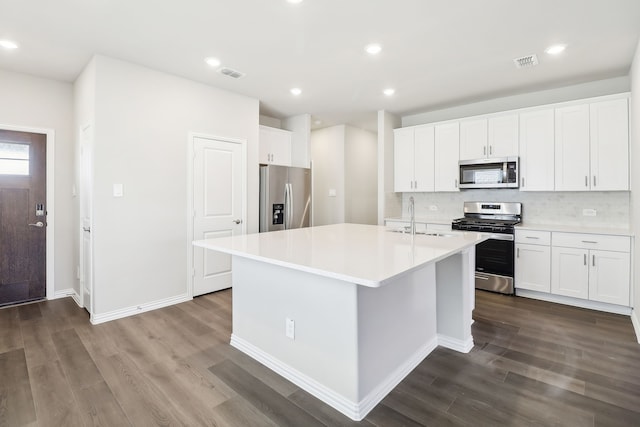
{"x":367,"y":255}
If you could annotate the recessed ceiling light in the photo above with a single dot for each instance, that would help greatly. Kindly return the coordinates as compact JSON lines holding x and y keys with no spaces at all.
{"x":8,"y":44}
{"x":556,"y":49}
{"x":373,"y":48}
{"x":212,"y":62}
{"x":296,"y":91}
{"x":389,"y":91}
{"x":294,"y":1}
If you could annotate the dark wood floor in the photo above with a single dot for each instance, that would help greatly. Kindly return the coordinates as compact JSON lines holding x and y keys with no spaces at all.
{"x":534,"y":363}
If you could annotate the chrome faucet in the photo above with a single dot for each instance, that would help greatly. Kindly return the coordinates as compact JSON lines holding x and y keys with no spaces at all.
{"x":412,"y":212}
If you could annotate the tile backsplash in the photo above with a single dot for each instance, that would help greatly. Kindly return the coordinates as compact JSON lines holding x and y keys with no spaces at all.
{"x":553,"y":208}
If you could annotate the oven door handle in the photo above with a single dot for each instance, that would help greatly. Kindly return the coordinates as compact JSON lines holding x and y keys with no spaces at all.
{"x":497,"y":236}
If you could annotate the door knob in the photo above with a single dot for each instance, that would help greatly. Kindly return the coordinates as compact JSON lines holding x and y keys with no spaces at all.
{"x":237,"y":221}
{"x":38,"y":224}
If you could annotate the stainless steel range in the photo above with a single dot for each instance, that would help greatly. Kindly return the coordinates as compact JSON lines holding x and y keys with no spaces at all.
{"x":494,"y":257}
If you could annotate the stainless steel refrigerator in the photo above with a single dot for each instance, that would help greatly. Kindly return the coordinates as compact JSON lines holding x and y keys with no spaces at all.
{"x":285,"y":197}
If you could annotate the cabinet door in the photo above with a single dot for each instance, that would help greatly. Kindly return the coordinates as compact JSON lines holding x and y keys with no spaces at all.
{"x":503,"y":136}
{"x":570,"y":272}
{"x":609,"y":145}
{"x":447,"y":153}
{"x":473,"y":139}
{"x":403,"y":160}
{"x":537,"y":151}
{"x":281,"y":150}
{"x":533,"y":267}
{"x":423,"y":163}
{"x":572,"y":148}
{"x":609,"y":274}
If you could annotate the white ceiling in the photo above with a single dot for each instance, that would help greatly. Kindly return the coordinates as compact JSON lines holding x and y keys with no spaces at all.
{"x":435,"y":53}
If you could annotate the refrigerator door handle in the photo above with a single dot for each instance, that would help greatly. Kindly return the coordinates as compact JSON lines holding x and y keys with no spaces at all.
{"x":287,"y":206}
{"x":290,"y":205}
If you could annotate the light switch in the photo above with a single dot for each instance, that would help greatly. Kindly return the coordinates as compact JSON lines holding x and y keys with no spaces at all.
{"x":118,"y":190}
{"x":332,"y":192}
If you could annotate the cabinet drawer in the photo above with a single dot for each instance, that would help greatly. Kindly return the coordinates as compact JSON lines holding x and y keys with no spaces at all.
{"x":592,"y":241}
{"x":533,"y":237}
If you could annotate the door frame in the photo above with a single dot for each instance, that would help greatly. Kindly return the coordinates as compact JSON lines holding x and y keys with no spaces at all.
{"x":190,"y":195}
{"x":50,"y":232}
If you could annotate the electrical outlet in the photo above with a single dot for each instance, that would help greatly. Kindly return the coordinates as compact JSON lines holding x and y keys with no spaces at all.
{"x":433,"y":208}
{"x":290,"y":328}
{"x":588,"y":212}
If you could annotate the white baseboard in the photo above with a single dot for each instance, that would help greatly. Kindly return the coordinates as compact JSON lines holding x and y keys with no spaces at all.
{"x":353,"y":410}
{"x":636,"y":324}
{"x":130,"y":311}
{"x":455,"y":344}
{"x":63,"y":293}
{"x":576,"y":302}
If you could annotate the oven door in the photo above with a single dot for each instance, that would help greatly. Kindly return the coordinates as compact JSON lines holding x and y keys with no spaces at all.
{"x":494,"y":264}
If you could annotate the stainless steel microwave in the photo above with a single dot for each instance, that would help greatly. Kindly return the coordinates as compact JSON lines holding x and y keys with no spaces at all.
{"x":489,"y":173}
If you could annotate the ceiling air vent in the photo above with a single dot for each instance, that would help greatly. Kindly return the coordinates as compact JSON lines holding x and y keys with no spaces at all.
{"x":231,"y":72}
{"x":526,"y":61}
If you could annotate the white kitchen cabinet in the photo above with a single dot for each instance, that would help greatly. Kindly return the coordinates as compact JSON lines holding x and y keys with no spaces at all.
{"x":572,"y":148}
{"x":533,"y":260}
{"x":537,"y":150}
{"x":609,"y":140}
{"x":493,"y":137}
{"x":609,"y":275}
{"x":503,"y":136}
{"x":570,"y":272}
{"x":473,"y":139}
{"x":413,"y":159}
{"x":592,"y":147}
{"x":591,"y":266}
{"x":446,"y":155}
{"x":274,"y":146}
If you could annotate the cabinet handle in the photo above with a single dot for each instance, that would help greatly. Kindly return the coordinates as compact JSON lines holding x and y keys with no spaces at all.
{"x":522,"y":179}
{"x":484,"y":151}
{"x":585,"y":259}
{"x":455,"y":183}
{"x":490,"y":150}
{"x":415,"y":187}
{"x":593,"y":260}
{"x":586,"y":181}
{"x":594,"y":180}
{"x":518,"y":253}
{"x":532,"y":237}
{"x":590,"y":241}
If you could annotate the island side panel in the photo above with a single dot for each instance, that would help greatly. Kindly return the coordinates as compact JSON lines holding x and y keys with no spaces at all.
{"x":397,"y":330}
{"x":324,"y":313}
{"x":455,"y":288}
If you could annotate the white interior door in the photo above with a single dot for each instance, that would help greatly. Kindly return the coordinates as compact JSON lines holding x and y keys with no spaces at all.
{"x":218,"y":198}
{"x":86,"y":179}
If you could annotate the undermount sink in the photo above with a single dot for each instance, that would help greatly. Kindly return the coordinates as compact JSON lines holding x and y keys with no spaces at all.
{"x":423,"y":233}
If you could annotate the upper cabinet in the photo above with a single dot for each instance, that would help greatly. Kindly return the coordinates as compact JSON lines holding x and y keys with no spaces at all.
{"x":493,"y":137}
{"x":446,"y":155}
{"x":274,"y":146}
{"x":536,"y":150}
{"x":473,"y":139}
{"x":413,"y":159}
{"x":609,"y":145}
{"x":592,"y":147}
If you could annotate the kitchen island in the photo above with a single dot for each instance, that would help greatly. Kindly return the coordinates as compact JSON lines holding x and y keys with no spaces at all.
{"x":346,"y":311}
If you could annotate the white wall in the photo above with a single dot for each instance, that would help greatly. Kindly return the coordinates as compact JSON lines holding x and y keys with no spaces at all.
{"x":361,"y":176}
{"x":531,"y":99}
{"x":327,"y":155}
{"x":33,"y":102}
{"x":300,"y":139}
{"x":635,"y":182}
{"x":389,"y":202}
{"x":142,"y":122}
{"x":270,"y":121}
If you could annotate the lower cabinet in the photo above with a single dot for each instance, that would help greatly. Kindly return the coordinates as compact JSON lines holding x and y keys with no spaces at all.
{"x":533,"y":267}
{"x":593,"y":267}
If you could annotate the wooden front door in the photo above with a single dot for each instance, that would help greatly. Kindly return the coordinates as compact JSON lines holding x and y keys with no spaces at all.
{"x":22,"y":216}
